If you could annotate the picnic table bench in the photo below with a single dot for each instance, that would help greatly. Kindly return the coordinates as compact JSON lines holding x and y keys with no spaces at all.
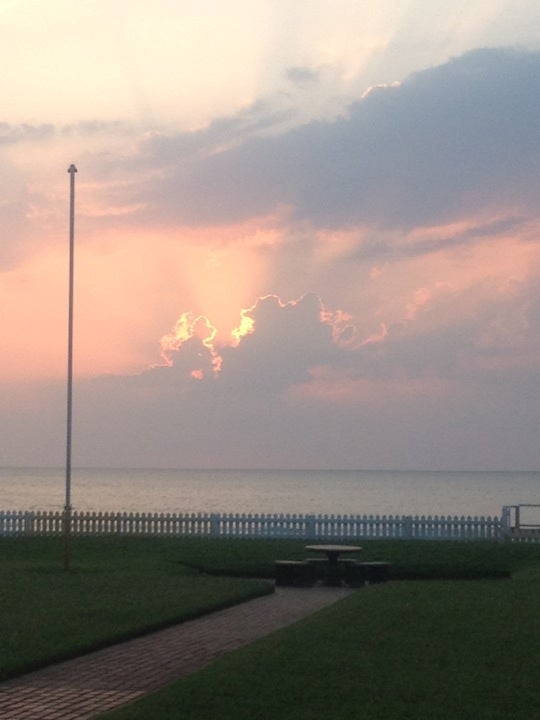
{"x":295,"y":573}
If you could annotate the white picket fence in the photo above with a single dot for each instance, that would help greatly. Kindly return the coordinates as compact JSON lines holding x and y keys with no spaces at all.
{"x":309,"y":527}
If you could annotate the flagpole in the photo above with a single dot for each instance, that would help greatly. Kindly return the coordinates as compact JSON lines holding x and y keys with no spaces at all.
{"x":67,"y":508}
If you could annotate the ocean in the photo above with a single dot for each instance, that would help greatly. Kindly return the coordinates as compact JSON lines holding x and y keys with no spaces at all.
{"x":269,"y":491}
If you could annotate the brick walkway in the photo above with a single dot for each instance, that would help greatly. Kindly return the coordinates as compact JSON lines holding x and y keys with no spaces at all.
{"x":87,"y":686}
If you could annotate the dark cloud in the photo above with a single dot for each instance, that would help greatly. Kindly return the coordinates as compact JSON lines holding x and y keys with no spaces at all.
{"x":287,"y":340}
{"x":244,"y":412}
{"x":302,"y":76}
{"x":248,"y":416}
{"x":377,"y":246}
{"x":13,"y":134}
{"x":219,"y":137}
{"x":449,"y":140}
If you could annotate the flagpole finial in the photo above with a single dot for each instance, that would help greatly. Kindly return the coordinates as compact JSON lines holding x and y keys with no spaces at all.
{"x":72,"y":168}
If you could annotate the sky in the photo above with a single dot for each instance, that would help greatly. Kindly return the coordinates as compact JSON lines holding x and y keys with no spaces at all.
{"x":306,"y":233}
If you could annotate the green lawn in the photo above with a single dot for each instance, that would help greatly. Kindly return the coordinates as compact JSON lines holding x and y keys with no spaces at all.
{"x":116,"y":589}
{"x":414,"y":559}
{"x":432,"y":650}
{"x":444,"y":647}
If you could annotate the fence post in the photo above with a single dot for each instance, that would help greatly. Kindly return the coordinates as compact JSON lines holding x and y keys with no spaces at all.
{"x":28,"y":526}
{"x":407,"y":526}
{"x":214,"y":524}
{"x":506,"y":520}
{"x":310,"y":531}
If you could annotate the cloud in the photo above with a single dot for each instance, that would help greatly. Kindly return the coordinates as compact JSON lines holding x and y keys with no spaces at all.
{"x":386,"y":262}
{"x":417,"y":243}
{"x":445,"y":140}
{"x":288,"y":395}
{"x":172,"y":413}
{"x":272,"y":348}
{"x":302,"y":75}
{"x":458,"y":140}
{"x":221,"y":135}
{"x":13,"y":134}
{"x":292,"y":393}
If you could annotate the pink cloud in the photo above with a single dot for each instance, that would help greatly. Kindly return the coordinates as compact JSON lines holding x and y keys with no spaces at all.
{"x":329,"y":386}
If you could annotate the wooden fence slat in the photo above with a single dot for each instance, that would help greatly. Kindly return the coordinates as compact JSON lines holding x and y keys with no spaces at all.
{"x":312,"y":527}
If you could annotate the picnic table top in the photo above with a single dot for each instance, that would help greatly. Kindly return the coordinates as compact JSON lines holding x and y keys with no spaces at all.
{"x":334,"y":548}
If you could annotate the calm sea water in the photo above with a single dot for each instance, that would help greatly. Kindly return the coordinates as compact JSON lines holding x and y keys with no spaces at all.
{"x":269,"y":491}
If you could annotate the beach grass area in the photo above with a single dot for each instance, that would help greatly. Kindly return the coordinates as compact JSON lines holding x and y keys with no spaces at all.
{"x":455,"y":634}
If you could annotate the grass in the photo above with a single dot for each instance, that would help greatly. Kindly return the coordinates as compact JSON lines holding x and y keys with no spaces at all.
{"x":411,"y":560}
{"x":434,"y":650}
{"x":116,"y":589}
{"x":442,"y":648}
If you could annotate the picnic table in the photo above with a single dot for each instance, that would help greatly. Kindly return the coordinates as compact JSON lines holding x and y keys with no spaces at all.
{"x":333,"y":553}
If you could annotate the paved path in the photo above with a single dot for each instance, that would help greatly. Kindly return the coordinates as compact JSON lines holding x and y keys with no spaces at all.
{"x":87,"y":686}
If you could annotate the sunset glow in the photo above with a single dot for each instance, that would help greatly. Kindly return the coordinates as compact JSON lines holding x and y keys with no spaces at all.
{"x":298,"y":225}
{"x":190,"y":327}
